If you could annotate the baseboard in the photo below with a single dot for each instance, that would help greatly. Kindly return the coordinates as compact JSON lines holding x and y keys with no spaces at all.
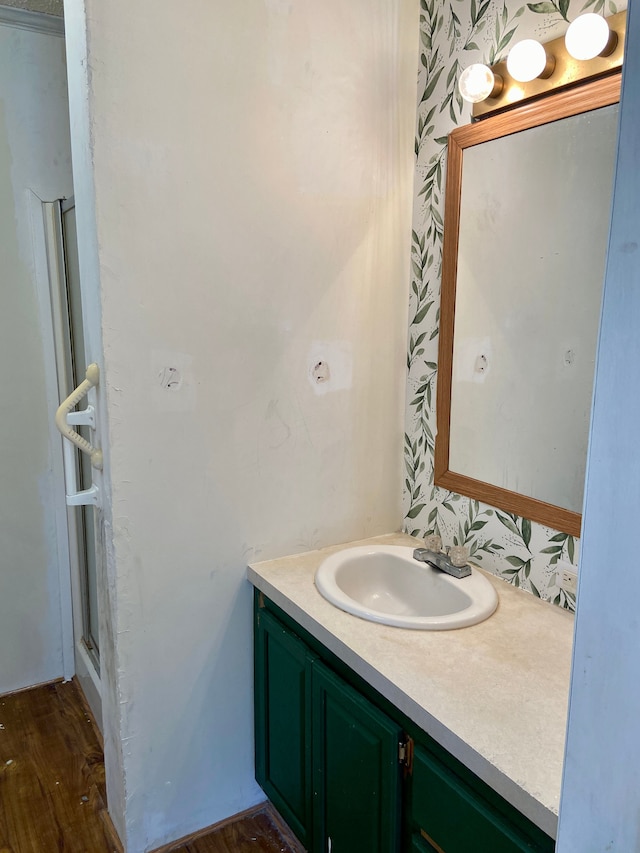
{"x":252,"y":812}
{"x":105,"y":816}
{"x":33,"y":687}
{"x":284,"y":829}
{"x":88,"y":679}
{"x":87,"y":709}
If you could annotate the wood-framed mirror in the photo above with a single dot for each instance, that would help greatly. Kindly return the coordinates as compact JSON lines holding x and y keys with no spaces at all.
{"x":528,"y":196}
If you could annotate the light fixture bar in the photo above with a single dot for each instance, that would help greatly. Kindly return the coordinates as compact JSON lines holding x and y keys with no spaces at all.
{"x":567,"y":71}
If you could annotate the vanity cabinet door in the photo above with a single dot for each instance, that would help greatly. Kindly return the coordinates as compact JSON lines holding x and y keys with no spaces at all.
{"x":356,"y":772}
{"x":419,"y":845}
{"x":283,"y":721}
{"x":456,"y":819}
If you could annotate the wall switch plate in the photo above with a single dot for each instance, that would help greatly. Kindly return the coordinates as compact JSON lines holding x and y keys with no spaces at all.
{"x":567,"y":577}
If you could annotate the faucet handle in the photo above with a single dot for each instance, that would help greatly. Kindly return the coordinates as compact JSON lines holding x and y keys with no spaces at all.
{"x":459,"y":555}
{"x":433,"y":542}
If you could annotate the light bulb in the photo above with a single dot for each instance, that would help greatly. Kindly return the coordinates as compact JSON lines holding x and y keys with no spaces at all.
{"x":527,"y":60}
{"x":478,"y":82}
{"x":589,"y":36}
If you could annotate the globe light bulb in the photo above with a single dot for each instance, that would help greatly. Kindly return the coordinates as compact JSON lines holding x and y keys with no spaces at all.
{"x":478,"y":82}
{"x":527,"y":60}
{"x":589,"y":36}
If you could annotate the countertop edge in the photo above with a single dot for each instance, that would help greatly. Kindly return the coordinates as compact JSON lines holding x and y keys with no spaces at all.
{"x":539,"y":814}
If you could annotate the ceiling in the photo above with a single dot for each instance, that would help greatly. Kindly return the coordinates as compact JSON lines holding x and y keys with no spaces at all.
{"x":49,"y":7}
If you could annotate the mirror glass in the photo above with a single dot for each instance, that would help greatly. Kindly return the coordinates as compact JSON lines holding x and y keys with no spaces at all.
{"x":532,"y":232}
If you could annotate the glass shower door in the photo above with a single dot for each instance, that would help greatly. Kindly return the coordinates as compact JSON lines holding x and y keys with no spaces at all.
{"x":82,"y":519}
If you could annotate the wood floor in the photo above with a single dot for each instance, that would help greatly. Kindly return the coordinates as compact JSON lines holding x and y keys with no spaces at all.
{"x":52,"y":787}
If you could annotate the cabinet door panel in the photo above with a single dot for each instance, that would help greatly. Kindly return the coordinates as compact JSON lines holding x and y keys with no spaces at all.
{"x":283,"y":722}
{"x":356,"y":774}
{"x":420,"y":845}
{"x":455,"y":817}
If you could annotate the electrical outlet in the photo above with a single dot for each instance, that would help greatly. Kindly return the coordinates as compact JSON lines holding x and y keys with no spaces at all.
{"x":567,"y":577}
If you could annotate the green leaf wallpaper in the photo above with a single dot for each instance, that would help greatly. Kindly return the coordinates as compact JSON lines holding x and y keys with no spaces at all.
{"x":453,"y":34}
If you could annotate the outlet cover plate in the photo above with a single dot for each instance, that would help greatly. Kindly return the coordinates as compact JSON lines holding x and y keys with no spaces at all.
{"x":567,"y":577}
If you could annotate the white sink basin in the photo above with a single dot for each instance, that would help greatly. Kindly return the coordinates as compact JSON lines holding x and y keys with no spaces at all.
{"x":383,"y":583}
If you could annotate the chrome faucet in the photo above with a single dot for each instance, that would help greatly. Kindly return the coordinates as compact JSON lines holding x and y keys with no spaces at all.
{"x":440,"y":560}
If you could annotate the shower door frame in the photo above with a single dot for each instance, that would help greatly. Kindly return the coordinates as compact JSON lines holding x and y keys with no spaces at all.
{"x":85,"y":659}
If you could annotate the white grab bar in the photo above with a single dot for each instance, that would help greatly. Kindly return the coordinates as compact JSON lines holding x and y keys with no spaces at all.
{"x":65,"y":417}
{"x":92,"y":378}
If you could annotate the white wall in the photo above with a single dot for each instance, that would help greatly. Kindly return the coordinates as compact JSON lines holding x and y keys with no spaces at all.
{"x":34,"y":157}
{"x":252,"y":170}
{"x":599,"y":804}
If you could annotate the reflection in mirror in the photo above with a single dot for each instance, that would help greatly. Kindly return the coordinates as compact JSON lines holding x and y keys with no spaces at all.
{"x":530,"y":273}
{"x":522,"y":285}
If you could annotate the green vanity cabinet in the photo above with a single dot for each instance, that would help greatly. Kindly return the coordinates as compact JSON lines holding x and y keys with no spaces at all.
{"x":326,"y":757}
{"x":329,"y":757}
{"x":419,"y":845}
{"x":356,"y":771}
{"x":454,"y":817}
{"x":283,"y":721}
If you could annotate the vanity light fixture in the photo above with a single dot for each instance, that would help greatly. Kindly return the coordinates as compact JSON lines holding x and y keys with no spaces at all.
{"x":590,"y":36}
{"x":532,"y":70}
{"x":478,"y":82}
{"x":528,"y":60}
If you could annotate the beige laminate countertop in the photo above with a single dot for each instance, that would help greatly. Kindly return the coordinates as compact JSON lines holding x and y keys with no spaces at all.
{"x":494,"y":694}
